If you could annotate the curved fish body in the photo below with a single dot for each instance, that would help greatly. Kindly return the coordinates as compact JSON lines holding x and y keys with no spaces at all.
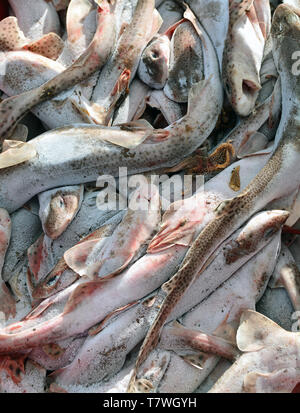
{"x":81,"y":153}
{"x":279,"y":177}
{"x":58,"y":208}
{"x":22,"y":71}
{"x":45,"y":253}
{"x":94,"y":57}
{"x":171,"y":12}
{"x":249,"y":28}
{"x":246,"y":137}
{"x":119,"y":71}
{"x":119,"y":332}
{"x":214,"y":17}
{"x":171,"y":111}
{"x":36,"y":17}
{"x":270,"y":363}
{"x":220,"y":313}
{"x":138,"y":225}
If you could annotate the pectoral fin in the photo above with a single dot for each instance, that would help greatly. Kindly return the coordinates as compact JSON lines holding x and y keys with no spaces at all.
{"x":256,"y":331}
{"x":50,"y":46}
{"x":16,"y":152}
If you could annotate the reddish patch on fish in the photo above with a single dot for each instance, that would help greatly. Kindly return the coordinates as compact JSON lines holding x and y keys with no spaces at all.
{"x":80,"y":294}
{"x":53,"y":350}
{"x":7,"y":302}
{"x":13,"y":366}
{"x":36,"y":254}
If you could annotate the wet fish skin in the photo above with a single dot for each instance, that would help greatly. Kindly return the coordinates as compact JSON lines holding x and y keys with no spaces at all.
{"x":214,"y":17}
{"x":7,"y":302}
{"x":140,"y":317}
{"x":35,"y":17}
{"x":134,"y":231}
{"x":278,"y":178}
{"x":28,"y":70}
{"x":186,"y":62}
{"x":26,"y":227}
{"x":119,"y":71}
{"x":83,"y":149}
{"x":134,"y":104}
{"x":224,"y":307}
{"x":91,"y":60}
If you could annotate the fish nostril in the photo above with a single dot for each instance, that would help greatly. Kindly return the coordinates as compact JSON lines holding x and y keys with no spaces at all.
{"x":249,"y":87}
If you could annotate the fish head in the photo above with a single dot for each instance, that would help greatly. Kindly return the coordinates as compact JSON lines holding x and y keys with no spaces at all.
{"x":242,"y":92}
{"x":154,"y":64}
{"x":58,"y":208}
{"x":285,"y":33}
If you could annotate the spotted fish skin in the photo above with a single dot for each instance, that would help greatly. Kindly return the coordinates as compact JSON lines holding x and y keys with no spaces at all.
{"x":15,"y":107}
{"x":84,"y":155}
{"x":279,"y":177}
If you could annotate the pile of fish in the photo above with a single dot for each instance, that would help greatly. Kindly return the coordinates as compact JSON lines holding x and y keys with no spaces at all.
{"x":114,"y":276}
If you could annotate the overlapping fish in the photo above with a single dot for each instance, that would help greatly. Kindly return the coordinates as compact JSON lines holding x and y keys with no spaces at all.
{"x":131,"y":109}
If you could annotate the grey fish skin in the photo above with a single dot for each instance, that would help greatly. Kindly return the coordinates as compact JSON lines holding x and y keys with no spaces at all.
{"x":88,"y":219}
{"x":171,"y":12}
{"x":22,"y":71}
{"x":186,"y":62}
{"x":26,"y":227}
{"x":73,"y":155}
{"x":242,"y":290}
{"x":121,"y":67}
{"x":15,"y":107}
{"x":130,"y":327}
{"x":243,"y":53}
{"x":279,"y":177}
{"x":35,"y":17}
{"x":214,"y":17}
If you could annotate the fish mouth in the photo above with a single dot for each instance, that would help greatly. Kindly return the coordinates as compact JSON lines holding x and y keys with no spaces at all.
{"x":247,"y":92}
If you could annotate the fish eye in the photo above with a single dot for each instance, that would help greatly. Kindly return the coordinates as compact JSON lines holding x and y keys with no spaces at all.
{"x":52,"y":280}
{"x":154,"y":55}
